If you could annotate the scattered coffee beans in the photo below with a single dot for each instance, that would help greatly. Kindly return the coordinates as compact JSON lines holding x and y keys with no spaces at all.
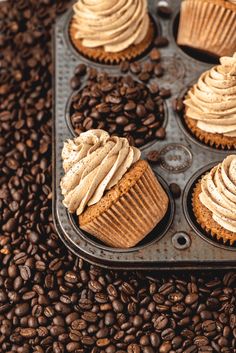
{"x":50,"y":301}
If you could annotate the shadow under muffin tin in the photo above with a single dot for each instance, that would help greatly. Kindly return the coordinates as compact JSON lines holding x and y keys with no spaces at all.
{"x":177,"y":242}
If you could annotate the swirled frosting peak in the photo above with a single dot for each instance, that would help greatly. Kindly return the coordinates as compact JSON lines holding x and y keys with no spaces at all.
{"x":212,"y":101}
{"x":112,"y":24}
{"x":93,"y":163}
{"x":219,"y":193}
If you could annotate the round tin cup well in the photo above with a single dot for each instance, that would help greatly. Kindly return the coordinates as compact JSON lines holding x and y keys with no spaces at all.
{"x":156,"y":234}
{"x":189,"y":214}
{"x":195,"y":54}
{"x":188,"y":133}
{"x":157,"y":32}
{"x":74,"y":134}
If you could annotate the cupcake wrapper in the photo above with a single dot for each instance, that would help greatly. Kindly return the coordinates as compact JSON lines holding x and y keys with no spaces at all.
{"x":133,"y":215}
{"x":209,"y":26}
{"x":214,"y":140}
{"x":208,"y":224}
{"x":100,"y":55}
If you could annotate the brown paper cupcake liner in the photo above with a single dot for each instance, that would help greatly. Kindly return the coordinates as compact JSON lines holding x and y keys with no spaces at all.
{"x":204,"y":219}
{"x":218,"y":141}
{"x":99,"y":55}
{"x":209,"y":26}
{"x":129,"y":211}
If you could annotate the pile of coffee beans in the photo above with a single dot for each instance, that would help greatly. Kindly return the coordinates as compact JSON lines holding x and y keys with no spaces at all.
{"x":50,"y":301}
{"x":120,"y":105}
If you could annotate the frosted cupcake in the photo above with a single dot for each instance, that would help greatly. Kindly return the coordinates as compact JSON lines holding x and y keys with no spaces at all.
{"x":111,"y":30}
{"x":214,"y":201}
{"x":114,"y":193}
{"x":208,"y":25}
{"x":210,"y":105}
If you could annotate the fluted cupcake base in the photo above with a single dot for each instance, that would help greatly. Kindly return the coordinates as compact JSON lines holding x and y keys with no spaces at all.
{"x":129,"y":211}
{"x":208,"y":25}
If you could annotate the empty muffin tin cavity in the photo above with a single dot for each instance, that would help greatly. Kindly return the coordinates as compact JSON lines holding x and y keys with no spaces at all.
{"x":189,"y":214}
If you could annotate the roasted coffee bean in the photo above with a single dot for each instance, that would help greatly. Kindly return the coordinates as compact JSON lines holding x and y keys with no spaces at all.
{"x":178,"y":105}
{"x":175,"y":191}
{"x":80,"y":70}
{"x":153,"y":156}
{"x":124,"y":66}
{"x":155,"y":55}
{"x":161,"y":42}
{"x":160,"y":133}
{"x":135,"y":68}
{"x":164,"y":11}
{"x":75,"y":83}
{"x":158,"y":70}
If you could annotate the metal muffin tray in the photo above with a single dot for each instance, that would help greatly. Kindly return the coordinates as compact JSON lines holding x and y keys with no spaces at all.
{"x":178,"y":242}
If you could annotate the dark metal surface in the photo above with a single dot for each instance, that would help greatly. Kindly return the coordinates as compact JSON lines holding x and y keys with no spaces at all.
{"x":183,"y":245}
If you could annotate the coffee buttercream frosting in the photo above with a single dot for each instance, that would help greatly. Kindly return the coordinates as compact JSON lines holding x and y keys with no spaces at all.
{"x":212,"y":101}
{"x":112,"y":24}
{"x":219,"y":193}
{"x":93,"y":163}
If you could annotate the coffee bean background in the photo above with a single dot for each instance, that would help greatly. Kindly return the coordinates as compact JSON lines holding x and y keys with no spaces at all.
{"x":51,"y":301}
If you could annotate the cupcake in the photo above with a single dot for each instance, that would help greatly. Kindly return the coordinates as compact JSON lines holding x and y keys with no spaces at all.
{"x":114,"y":193}
{"x":208,"y":25}
{"x":110,"y":31}
{"x":210,"y":105}
{"x":214,"y":201}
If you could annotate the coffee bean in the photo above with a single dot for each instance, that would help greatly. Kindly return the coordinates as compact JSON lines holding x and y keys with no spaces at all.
{"x":75,"y":82}
{"x":161,"y":42}
{"x":133,"y":348}
{"x":122,"y":120}
{"x":117,"y":306}
{"x":164,"y":11}
{"x":155,"y":54}
{"x":144,"y":76}
{"x":160,"y":133}
{"x":158,"y":70}
{"x":178,"y":105}
{"x":25,"y":272}
{"x":165,"y":93}
{"x":161,"y":322}
{"x":137,"y":321}
{"x":22,"y":309}
{"x":80,"y":70}
{"x":135,"y":68}
{"x":153,"y":156}
{"x":124,"y":66}
{"x":168,"y":334}
{"x":175,"y":190}
{"x":191,"y":298}
{"x":155,"y":340}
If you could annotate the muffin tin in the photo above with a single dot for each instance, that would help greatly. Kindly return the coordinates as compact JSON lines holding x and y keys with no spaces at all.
{"x":178,"y":242}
